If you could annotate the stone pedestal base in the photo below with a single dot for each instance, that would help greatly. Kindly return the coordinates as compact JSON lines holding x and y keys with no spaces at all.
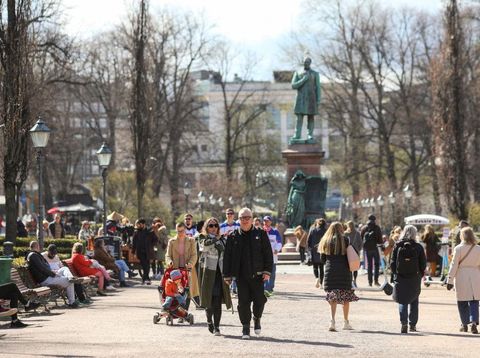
{"x":305,"y":157}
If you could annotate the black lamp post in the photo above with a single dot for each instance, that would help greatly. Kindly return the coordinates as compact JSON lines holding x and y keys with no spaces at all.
{"x":392,"y":199}
{"x":187,"y":189}
{"x":40,"y":134}
{"x":201,"y":200}
{"x":104,"y":155}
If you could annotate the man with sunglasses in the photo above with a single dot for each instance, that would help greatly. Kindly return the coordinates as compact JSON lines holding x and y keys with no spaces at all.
{"x":248,"y":258}
{"x":226,"y":228}
{"x":190,"y":229}
{"x":230,"y":224}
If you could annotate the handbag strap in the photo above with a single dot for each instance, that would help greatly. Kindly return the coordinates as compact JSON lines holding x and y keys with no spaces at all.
{"x":464,"y":257}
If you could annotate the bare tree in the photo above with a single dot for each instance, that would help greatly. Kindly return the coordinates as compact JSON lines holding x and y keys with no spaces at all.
{"x":448,"y":121}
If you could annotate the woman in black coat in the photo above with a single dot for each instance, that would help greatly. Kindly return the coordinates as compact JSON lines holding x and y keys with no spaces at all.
{"x":314,"y":236}
{"x":408,"y":281}
{"x":338,"y":278}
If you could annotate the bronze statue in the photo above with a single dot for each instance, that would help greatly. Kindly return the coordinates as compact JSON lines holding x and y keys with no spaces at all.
{"x":307,"y":84}
{"x":296,"y":199}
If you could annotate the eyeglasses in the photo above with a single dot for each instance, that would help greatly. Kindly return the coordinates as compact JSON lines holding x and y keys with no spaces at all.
{"x":245,"y":218}
{"x":180,"y":231}
{"x":230,"y":213}
{"x":212,"y":225}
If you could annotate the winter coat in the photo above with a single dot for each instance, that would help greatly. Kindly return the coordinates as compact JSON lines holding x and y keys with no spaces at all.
{"x":51,"y":227}
{"x":466,"y":275}
{"x":211,"y":258}
{"x":142,"y":244}
{"x":377,"y":232}
{"x":104,"y":258}
{"x":314,"y":237}
{"x":407,"y":288}
{"x":337,"y":272}
{"x":248,"y":254}
{"x":38,"y":266}
{"x":162,"y":242}
{"x":83,"y":265}
{"x":301,"y":240}
{"x":432,"y":247}
{"x":172,"y":257}
{"x":355,"y":239}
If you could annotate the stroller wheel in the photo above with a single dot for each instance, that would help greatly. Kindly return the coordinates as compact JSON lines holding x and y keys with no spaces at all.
{"x":190,"y":319}
{"x":156,"y":318}
{"x":169,"y":321}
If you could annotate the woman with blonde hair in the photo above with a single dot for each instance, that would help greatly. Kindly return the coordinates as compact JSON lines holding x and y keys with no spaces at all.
{"x":465,"y":273}
{"x":301,"y":236}
{"x":213,"y":289}
{"x":337,"y":282}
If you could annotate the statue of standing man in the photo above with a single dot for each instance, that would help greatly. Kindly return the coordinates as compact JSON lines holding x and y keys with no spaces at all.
{"x":307,"y":84}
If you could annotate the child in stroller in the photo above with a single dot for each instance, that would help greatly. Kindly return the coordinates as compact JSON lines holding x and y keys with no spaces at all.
{"x":173,"y":294}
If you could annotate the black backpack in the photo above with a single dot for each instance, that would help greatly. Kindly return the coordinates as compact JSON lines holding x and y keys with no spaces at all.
{"x":407,"y":259}
{"x":369,"y":240}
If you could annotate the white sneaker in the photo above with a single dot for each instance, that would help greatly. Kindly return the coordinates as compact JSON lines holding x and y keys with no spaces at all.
{"x":110,"y":288}
{"x":245,"y":336}
{"x":332,"y":326}
{"x":317,"y":283}
{"x":346,"y":325}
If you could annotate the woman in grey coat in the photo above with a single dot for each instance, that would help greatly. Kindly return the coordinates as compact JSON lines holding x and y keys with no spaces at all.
{"x":356,"y":241}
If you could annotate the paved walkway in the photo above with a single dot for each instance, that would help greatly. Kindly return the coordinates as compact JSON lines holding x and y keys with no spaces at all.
{"x":294,"y":324}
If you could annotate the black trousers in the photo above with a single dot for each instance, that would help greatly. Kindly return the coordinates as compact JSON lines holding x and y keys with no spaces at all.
{"x":145,"y":263}
{"x":318,"y":271}
{"x":301,"y":250}
{"x":373,"y":260}
{"x":215,"y":311}
{"x":250,"y":290}
{"x":79,"y":291}
{"x":10,"y":291}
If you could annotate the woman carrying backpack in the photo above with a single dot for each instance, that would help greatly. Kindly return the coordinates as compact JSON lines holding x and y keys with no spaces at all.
{"x":408,"y":264}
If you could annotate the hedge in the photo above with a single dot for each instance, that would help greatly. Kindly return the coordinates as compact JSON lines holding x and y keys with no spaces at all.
{"x":64,"y":246}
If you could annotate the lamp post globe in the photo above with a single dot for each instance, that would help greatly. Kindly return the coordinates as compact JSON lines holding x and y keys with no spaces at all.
{"x":407,"y":192}
{"x":104,"y":155}
{"x":40,"y":133}
{"x":201,"y":200}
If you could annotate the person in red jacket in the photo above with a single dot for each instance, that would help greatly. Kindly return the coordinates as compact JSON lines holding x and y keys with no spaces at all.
{"x":84,"y":267}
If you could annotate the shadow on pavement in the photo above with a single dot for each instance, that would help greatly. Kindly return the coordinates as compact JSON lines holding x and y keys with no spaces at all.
{"x":296,"y":296}
{"x":290,"y":341}
{"x":418,"y":333}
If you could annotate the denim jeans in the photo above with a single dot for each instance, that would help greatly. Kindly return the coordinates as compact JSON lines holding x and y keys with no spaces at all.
{"x":405,"y":317}
{"x":468,"y":311}
{"x":371,"y":257}
{"x":270,"y":284}
{"x":169,"y":300}
{"x":122,"y":265}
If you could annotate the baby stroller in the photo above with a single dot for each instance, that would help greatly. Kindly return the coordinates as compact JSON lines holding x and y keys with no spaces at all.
{"x":176,"y":310}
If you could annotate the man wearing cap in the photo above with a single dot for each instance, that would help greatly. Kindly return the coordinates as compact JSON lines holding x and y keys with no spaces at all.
{"x":248,"y":258}
{"x":276,"y":244}
{"x":371,"y":237}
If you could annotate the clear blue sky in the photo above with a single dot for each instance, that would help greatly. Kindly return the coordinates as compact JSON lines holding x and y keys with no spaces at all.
{"x":255,"y":25}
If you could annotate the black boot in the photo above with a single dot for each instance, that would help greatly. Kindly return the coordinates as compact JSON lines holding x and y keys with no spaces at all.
{"x":132,"y":274}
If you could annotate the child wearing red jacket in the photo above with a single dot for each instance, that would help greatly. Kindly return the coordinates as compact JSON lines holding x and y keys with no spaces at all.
{"x":174,"y":290}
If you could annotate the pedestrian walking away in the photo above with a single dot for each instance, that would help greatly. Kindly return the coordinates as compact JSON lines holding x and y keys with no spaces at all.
{"x":276,"y":243}
{"x":465,"y":275}
{"x":314,"y":236}
{"x":372,"y":236}
{"x":338,"y":278}
{"x":408,"y":264}
{"x":248,"y":258}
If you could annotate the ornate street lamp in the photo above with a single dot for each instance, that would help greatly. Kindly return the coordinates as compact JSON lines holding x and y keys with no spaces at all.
{"x":104,"y":155}
{"x":187,"y":190}
{"x":201,"y":200}
{"x":380,"y":203}
{"x":40,"y":134}
{"x":407,"y":192}
{"x":391,"y":200}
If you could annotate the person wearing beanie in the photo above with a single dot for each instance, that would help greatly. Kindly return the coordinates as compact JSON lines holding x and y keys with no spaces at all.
{"x":371,"y":237}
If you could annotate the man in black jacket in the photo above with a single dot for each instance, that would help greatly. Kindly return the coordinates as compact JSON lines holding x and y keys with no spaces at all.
{"x":42,"y":274}
{"x":371,"y":237}
{"x":143,"y":242}
{"x":248,"y":258}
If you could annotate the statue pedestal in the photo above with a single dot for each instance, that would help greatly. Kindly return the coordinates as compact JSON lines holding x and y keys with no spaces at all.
{"x":305,"y":157}
{"x":289,"y":252}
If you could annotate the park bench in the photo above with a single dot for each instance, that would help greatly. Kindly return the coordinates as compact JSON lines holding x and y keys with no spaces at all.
{"x":88,"y":282}
{"x":38,"y":295}
{"x":56,"y":291}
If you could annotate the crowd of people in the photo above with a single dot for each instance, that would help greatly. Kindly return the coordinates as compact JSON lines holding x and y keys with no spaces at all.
{"x":239,"y":257}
